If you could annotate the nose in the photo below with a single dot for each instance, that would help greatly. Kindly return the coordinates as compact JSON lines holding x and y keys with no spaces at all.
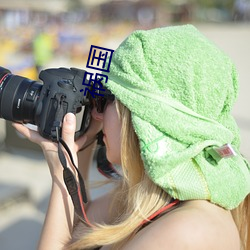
{"x":97,"y":116}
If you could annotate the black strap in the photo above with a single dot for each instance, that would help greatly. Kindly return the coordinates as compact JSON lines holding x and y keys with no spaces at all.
{"x":104,"y":166}
{"x":55,"y":133}
{"x":81,"y":181}
{"x":76,"y":190}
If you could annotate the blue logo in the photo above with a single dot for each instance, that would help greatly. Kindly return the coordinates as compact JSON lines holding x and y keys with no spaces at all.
{"x":97,"y":61}
{"x":101,"y":56}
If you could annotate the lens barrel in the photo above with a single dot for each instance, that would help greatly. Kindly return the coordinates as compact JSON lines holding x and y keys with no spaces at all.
{"x":18,"y":97}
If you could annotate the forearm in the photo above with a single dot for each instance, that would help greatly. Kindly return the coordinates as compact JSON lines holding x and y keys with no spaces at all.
{"x":85,"y":159}
{"x":58,"y":223}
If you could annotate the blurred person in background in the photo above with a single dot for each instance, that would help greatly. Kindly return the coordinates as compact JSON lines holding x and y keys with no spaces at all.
{"x":241,"y":10}
{"x":43,"y":47}
{"x":167,"y":121}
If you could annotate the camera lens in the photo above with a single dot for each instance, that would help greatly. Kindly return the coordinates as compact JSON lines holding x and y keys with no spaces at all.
{"x":18,"y":97}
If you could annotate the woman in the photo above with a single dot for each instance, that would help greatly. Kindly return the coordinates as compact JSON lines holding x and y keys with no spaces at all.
{"x":174,"y":91}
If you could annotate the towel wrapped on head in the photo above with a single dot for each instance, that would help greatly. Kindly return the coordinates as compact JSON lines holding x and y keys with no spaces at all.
{"x":180,"y":89}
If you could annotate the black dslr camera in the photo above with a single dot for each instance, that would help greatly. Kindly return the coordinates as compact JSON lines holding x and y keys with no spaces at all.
{"x":26,"y":101}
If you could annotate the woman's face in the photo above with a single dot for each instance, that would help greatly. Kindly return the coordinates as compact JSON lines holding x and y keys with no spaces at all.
{"x":111,"y":132}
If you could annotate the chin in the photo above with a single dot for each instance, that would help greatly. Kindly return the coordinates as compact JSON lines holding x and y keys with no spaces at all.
{"x":112,"y":159}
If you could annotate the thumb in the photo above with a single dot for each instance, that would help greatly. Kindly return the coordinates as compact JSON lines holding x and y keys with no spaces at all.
{"x":68,"y":129}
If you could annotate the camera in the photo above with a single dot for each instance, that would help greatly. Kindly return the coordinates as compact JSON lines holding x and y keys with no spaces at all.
{"x":45,"y":103}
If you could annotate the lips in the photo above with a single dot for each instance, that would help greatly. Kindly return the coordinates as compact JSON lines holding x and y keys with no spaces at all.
{"x":103,"y":133}
{"x":104,"y":138}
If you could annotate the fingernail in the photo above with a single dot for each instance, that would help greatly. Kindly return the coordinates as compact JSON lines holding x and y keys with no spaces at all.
{"x":70,"y":118}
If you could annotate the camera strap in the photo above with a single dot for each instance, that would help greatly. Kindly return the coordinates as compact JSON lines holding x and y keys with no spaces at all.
{"x":104,"y":166}
{"x":75,"y":188}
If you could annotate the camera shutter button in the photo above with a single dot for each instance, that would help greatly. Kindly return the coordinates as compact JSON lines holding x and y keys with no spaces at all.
{"x":65,"y":84}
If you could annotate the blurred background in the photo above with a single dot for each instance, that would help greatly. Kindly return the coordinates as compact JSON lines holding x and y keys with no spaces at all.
{"x":52,"y":33}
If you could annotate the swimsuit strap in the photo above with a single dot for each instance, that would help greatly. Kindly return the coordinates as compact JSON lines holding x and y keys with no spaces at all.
{"x":159,"y":212}
{"x":155,"y":215}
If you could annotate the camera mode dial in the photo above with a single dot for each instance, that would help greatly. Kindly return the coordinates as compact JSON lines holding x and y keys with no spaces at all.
{"x":65,"y":84}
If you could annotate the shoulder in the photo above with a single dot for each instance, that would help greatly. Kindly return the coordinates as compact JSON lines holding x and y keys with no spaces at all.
{"x":194,"y":225}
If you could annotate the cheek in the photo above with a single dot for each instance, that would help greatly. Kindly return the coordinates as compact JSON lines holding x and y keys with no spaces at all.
{"x":113,"y":145}
{"x":112,"y":139}
{"x":113,"y":155}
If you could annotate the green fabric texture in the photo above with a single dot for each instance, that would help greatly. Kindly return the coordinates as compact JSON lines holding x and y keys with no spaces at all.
{"x":180,"y":89}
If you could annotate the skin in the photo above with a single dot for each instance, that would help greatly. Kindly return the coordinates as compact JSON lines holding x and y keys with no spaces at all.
{"x":111,"y":130}
{"x":196,"y":225}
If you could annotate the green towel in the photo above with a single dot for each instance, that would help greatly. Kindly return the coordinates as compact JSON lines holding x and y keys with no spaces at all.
{"x":180,"y":89}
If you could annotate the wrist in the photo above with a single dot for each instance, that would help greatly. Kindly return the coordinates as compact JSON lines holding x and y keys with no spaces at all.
{"x":55,"y":167}
{"x":58,"y":187}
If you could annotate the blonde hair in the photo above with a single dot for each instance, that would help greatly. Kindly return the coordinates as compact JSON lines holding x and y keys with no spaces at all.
{"x":137,"y":197}
{"x":241,"y":216}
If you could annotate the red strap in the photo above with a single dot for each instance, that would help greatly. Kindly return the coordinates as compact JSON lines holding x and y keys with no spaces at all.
{"x":3,"y":78}
{"x":161,"y":210}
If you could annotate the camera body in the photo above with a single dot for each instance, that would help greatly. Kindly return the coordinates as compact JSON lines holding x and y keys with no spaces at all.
{"x":26,"y":101}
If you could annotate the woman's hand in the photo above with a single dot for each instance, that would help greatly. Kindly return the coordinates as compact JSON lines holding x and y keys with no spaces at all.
{"x":68,"y":132}
{"x":50,"y":148}
{"x":89,"y":136}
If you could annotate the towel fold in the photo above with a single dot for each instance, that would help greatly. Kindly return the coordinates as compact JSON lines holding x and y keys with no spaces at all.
{"x":180,"y":89}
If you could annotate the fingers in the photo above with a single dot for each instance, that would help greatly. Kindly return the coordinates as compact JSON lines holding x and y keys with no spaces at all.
{"x":80,"y":142}
{"x":35,"y":137}
{"x":95,"y":127}
{"x":90,"y":135}
{"x":29,"y":134}
{"x":95,"y":124}
{"x":68,"y":133}
{"x":68,"y":129}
